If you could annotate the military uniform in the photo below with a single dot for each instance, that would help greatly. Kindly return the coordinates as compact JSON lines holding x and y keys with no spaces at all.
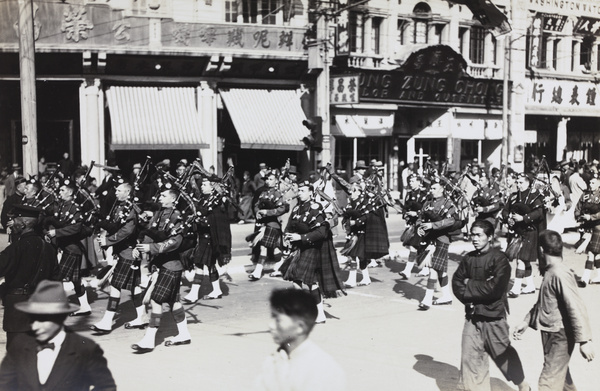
{"x":589,"y":204}
{"x":489,"y":199}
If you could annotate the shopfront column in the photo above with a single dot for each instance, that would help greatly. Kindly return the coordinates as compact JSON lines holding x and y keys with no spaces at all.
{"x":561,"y":138}
{"x":91,"y":111}
{"x":207,"y":110}
{"x":550,"y":53}
{"x":576,"y":55}
{"x":466,"y":43}
{"x":594,"y":66}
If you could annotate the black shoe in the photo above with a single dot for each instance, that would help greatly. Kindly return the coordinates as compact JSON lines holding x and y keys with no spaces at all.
{"x":130,"y":326}
{"x":139,"y":349}
{"x":252,"y":277}
{"x":423,"y":307}
{"x":581,"y":284}
{"x":403,"y":276}
{"x":99,"y":330}
{"x":176,"y":343}
{"x":86,"y":313}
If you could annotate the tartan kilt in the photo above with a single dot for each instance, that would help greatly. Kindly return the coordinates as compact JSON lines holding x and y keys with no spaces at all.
{"x":407,"y":235}
{"x":377,"y":242}
{"x":439,"y":258}
{"x":166,"y":289}
{"x":124,"y":276}
{"x":594,"y":245}
{"x":304,"y":267}
{"x":328,"y":272}
{"x":203,"y":253}
{"x":356,"y":251}
{"x":529,"y":247}
{"x":70,"y":267}
{"x":272,"y":238}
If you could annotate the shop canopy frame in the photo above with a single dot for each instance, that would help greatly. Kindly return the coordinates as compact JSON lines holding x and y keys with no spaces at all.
{"x":266,"y":118}
{"x":154,"y":118}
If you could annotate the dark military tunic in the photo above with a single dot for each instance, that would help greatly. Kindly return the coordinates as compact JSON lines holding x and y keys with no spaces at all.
{"x":589,"y":204}
{"x":24,"y":263}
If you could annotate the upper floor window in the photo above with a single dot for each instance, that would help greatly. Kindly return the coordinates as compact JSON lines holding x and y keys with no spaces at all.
{"x":355,"y":27}
{"x":421,"y":18}
{"x":477,"y":45}
{"x":253,"y":11}
{"x":376,"y":36}
{"x":231,"y":11}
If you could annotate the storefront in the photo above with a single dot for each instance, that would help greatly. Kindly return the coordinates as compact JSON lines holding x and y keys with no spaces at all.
{"x":440,"y":114}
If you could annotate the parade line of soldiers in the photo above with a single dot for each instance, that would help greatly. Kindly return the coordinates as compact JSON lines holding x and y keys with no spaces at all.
{"x":155,"y":229}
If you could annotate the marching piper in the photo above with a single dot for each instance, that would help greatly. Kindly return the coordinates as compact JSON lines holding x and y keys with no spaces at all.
{"x":587,"y":212}
{"x":162,"y":241}
{"x":437,"y":219}
{"x":65,"y":229}
{"x":119,"y":232}
{"x":523,"y":212}
{"x":268,"y":208}
{"x":213,"y":245}
{"x":416,"y":196}
{"x":313,"y":262}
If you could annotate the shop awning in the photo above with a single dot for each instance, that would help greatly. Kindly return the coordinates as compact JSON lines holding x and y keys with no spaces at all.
{"x":368,"y":125}
{"x":266,"y":119}
{"x":345,"y":125}
{"x":154,"y":117}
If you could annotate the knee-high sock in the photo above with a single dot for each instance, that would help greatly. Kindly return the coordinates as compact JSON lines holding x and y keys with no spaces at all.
{"x":366,"y":278}
{"x":351,"y":278}
{"x":258,"y":270}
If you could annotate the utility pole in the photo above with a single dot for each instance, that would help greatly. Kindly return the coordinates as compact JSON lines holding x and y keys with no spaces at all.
{"x":28,"y":93}
{"x":322,"y":101}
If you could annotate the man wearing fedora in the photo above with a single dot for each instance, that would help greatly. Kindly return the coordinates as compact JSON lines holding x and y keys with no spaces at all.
{"x":52,"y":357}
{"x":12,"y":200}
{"x":23,"y":264}
{"x":9,"y":183}
{"x":359,"y":171}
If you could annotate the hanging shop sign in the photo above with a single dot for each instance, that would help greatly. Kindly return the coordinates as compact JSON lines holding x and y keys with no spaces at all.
{"x":587,"y":26}
{"x":566,"y":7}
{"x":343,"y":90}
{"x":434,"y":75}
{"x":562,"y":94}
{"x":535,"y":47}
{"x":552,"y":22}
{"x":76,"y":26}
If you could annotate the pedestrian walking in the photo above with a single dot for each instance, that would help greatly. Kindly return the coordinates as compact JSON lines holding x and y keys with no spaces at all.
{"x":480,"y":283}
{"x":560,"y":315}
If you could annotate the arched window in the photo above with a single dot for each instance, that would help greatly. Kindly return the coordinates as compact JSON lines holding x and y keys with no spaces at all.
{"x":421,"y":17}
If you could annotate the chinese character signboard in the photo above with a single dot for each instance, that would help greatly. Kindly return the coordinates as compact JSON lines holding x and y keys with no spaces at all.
{"x":536,"y":41}
{"x":434,"y":75}
{"x":552,"y":22}
{"x":563,"y":94}
{"x":587,"y":26}
{"x":343,"y":90}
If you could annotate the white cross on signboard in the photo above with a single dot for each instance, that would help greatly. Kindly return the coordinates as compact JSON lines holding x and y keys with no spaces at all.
{"x":421,"y":155}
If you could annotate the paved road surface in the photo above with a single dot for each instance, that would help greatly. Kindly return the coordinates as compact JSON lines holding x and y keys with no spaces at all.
{"x":375,"y":332}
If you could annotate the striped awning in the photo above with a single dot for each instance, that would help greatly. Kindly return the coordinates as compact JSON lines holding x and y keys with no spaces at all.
{"x":266,"y":119}
{"x":154,"y":117}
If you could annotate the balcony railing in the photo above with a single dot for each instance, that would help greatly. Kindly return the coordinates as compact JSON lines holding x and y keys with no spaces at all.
{"x":362,"y":60}
{"x":489,"y":71}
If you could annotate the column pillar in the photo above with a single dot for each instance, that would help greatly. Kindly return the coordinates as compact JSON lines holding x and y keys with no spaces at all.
{"x":488,"y":54}
{"x":92,"y":135}
{"x":594,"y":57}
{"x":466,"y":44}
{"x":207,"y":112}
{"x":561,"y":138}
{"x":576,"y":59}
{"x":368,"y":42}
{"x":550,"y":53}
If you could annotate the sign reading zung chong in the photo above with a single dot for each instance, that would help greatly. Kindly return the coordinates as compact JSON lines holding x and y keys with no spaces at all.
{"x":434,"y":75}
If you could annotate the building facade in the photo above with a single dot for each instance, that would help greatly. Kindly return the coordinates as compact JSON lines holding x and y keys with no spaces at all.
{"x":226,"y":81}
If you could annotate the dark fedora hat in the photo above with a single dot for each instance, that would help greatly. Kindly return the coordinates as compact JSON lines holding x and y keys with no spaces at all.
{"x":49,"y":298}
{"x":360,"y":165}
